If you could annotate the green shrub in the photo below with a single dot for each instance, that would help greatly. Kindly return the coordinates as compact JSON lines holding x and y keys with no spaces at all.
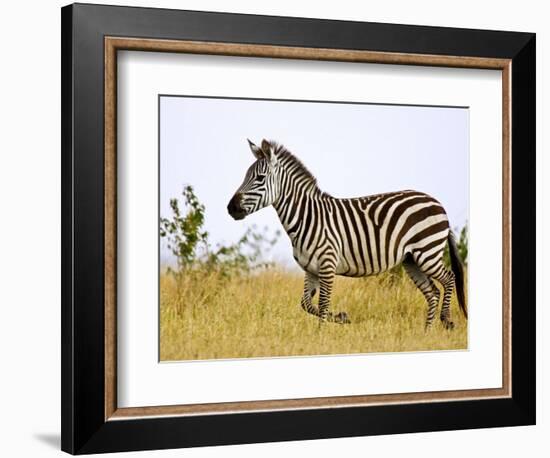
{"x":184,"y":232}
{"x":188,"y":241}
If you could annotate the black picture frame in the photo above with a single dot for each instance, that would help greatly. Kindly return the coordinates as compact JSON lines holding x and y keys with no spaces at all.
{"x":84,"y":428}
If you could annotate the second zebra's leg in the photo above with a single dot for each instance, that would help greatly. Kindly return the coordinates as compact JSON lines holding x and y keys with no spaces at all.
{"x":311,"y":285}
{"x":426,"y":286}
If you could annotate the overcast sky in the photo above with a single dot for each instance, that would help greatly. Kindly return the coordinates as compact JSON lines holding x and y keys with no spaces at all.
{"x":352,"y":149}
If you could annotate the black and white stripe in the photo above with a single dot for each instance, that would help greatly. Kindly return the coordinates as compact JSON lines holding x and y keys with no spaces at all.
{"x":352,"y":237}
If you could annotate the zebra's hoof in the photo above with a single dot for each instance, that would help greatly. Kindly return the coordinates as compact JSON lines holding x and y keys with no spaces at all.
{"x":449,"y":325}
{"x":342,"y":318}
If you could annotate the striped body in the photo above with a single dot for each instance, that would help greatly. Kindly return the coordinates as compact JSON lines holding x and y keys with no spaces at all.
{"x":353,"y":237}
{"x":366,"y":235}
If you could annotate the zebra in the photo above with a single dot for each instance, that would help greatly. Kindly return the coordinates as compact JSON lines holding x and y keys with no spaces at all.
{"x":352,"y":237}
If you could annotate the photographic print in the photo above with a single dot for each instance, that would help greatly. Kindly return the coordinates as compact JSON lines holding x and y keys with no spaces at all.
{"x":271,"y":211}
{"x":308,"y":228}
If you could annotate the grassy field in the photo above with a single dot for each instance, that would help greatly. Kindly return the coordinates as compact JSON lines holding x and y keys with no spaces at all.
{"x":208,"y":316}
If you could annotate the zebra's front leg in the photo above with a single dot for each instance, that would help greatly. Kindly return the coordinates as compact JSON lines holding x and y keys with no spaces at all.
{"x":311,"y":284}
{"x":326,"y":280}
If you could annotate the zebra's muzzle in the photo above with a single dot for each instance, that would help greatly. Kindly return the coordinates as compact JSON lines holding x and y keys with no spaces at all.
{"x":234,"y":208}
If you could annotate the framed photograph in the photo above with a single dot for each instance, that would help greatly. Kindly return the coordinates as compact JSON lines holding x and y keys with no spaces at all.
{"x":283,"y":228}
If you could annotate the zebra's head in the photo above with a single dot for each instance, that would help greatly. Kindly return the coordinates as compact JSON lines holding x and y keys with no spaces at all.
{"x":260,"y":186}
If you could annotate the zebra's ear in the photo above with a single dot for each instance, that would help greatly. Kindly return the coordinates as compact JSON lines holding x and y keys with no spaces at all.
{"x":267,"y":149}
{"x":257,"y":152}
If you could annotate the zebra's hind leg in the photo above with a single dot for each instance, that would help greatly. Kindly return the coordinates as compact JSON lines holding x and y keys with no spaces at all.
{"x":426,"y":286}
{"x":447,"y":280}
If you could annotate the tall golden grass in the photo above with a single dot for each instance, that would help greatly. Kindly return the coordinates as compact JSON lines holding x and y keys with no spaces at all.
{"x":205,"y":315}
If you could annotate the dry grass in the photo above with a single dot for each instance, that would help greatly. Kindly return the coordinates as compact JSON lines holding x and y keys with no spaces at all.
{"x":207,"y":316}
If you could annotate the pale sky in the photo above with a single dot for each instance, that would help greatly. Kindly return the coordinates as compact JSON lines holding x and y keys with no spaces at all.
{"x":352,"y":149}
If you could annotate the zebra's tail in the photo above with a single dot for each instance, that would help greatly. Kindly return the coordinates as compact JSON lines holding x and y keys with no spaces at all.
{"x":458,"y":271}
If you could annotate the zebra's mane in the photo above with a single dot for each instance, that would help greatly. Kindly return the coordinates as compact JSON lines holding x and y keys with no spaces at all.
{"x":286,"y":157}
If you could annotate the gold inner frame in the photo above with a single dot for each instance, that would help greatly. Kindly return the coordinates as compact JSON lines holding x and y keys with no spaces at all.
{"x":112,"y":45}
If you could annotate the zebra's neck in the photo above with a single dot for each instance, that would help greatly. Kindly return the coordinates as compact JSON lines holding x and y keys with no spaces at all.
{"x":295,"y":194}
{"x":297,"y":188}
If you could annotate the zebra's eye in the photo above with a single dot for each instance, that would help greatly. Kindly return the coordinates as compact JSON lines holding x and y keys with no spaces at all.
{"x":260,"y":178}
